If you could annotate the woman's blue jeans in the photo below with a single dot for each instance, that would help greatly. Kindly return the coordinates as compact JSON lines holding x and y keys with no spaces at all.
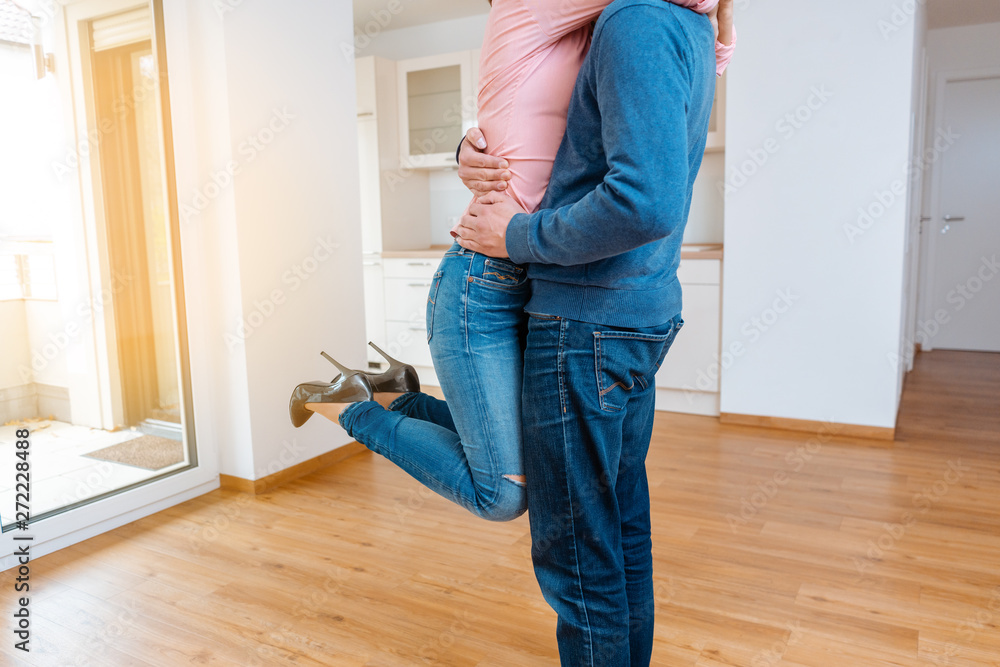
{"x":467,"y":448}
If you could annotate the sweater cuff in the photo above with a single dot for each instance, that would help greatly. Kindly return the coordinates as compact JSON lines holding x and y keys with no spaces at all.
{"x":517,"y":239}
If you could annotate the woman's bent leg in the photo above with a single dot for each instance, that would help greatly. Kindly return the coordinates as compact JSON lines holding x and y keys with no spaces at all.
{"x":424,"y":407}
{"x":475,"y":324}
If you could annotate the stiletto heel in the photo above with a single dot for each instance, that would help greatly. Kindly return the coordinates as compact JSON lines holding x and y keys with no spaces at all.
{"x":399,"y":378}
{"x":344,"y":370}
{"x":349,"y":387}
{"x":393,"y":363}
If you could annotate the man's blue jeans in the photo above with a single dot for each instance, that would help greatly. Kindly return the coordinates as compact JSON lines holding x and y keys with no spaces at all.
{"x":468,"y":448}
{"x":588,"y":417}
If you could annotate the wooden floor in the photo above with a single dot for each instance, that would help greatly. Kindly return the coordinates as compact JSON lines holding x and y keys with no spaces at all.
{"x":771,"y":548}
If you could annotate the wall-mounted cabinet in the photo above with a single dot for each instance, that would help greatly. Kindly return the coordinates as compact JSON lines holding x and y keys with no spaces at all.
{"x":437,"y":105}
{"x":395,"y":202}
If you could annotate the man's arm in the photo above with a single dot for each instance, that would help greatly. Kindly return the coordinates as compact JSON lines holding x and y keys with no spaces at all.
{"x":643,"y":95}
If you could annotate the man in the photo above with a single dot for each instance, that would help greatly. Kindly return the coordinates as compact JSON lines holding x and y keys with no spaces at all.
{"x":603,"y":251}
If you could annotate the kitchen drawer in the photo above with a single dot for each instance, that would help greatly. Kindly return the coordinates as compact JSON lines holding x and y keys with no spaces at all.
{"x":406,"y":299}
{"x":407,"y":341}
{"x":398,"y":267}
{"x":700,"y":272}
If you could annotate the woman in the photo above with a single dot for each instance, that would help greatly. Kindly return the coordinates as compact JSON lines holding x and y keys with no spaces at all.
{"x":469,"y":449}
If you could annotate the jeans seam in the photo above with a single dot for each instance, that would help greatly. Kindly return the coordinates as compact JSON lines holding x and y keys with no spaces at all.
{"x":496,"y":475}
{"x":505,"y":287}
{"x":561,"y":369}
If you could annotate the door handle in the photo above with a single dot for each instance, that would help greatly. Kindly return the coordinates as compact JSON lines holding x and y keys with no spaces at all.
{"x":954,"y":218}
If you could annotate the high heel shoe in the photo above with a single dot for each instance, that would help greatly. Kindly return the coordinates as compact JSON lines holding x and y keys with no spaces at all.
{"x":399,"y":378}
{"x":349,"y":387}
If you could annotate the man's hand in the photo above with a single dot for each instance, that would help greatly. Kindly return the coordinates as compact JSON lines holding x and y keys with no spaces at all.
{"x":481,"y":173}
{"x":484,"y":228}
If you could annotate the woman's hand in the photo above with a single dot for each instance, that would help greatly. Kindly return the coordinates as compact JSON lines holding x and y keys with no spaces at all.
{"x":722,"y":20}
{"x":480,"y":172}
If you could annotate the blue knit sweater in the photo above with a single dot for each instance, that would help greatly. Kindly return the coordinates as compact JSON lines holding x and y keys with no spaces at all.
{"x":605,"y":244}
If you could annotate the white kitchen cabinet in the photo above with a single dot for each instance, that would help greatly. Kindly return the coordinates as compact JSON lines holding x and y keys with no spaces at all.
{"x":688,"y":380}
{"x":407,"y":341}
{"x":374,"y":303}
{"x":437,"y":105}
{"x":407,"y":284}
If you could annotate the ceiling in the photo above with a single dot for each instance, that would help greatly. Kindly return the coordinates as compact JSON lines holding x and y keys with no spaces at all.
{"x":940,"y":13}
{"x":951,"y":13}
{"x":415,"y":12}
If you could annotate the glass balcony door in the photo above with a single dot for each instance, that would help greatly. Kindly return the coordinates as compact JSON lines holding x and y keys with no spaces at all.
{"x":101,"y":377}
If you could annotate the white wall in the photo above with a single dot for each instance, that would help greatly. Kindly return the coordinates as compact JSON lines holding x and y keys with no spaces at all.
{"x":45,"y":327}
{"x":816,"y":309}
{"x":14,"y":338}
{"x":35,"y":203}
{"x":430,"y":39}
{"x":265,"y":293}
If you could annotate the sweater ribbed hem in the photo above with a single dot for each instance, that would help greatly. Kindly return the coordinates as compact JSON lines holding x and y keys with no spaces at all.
{"x":606,"y":306}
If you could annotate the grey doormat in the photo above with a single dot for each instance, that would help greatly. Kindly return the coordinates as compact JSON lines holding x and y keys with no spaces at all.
{"x":147,"y":451}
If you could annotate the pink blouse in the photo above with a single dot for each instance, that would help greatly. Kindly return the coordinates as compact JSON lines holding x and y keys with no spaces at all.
{"x":532,"y":53}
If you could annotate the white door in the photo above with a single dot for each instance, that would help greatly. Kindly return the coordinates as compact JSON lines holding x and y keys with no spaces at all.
{"x":911,"y":284}
{"x":964,"y":291}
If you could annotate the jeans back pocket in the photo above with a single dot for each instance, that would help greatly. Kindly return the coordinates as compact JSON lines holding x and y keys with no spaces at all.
{"x":499,"y":273}
{"x":627,"y":362}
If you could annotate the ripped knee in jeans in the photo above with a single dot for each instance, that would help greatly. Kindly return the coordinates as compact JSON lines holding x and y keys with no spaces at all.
{"x":520,"y":480}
